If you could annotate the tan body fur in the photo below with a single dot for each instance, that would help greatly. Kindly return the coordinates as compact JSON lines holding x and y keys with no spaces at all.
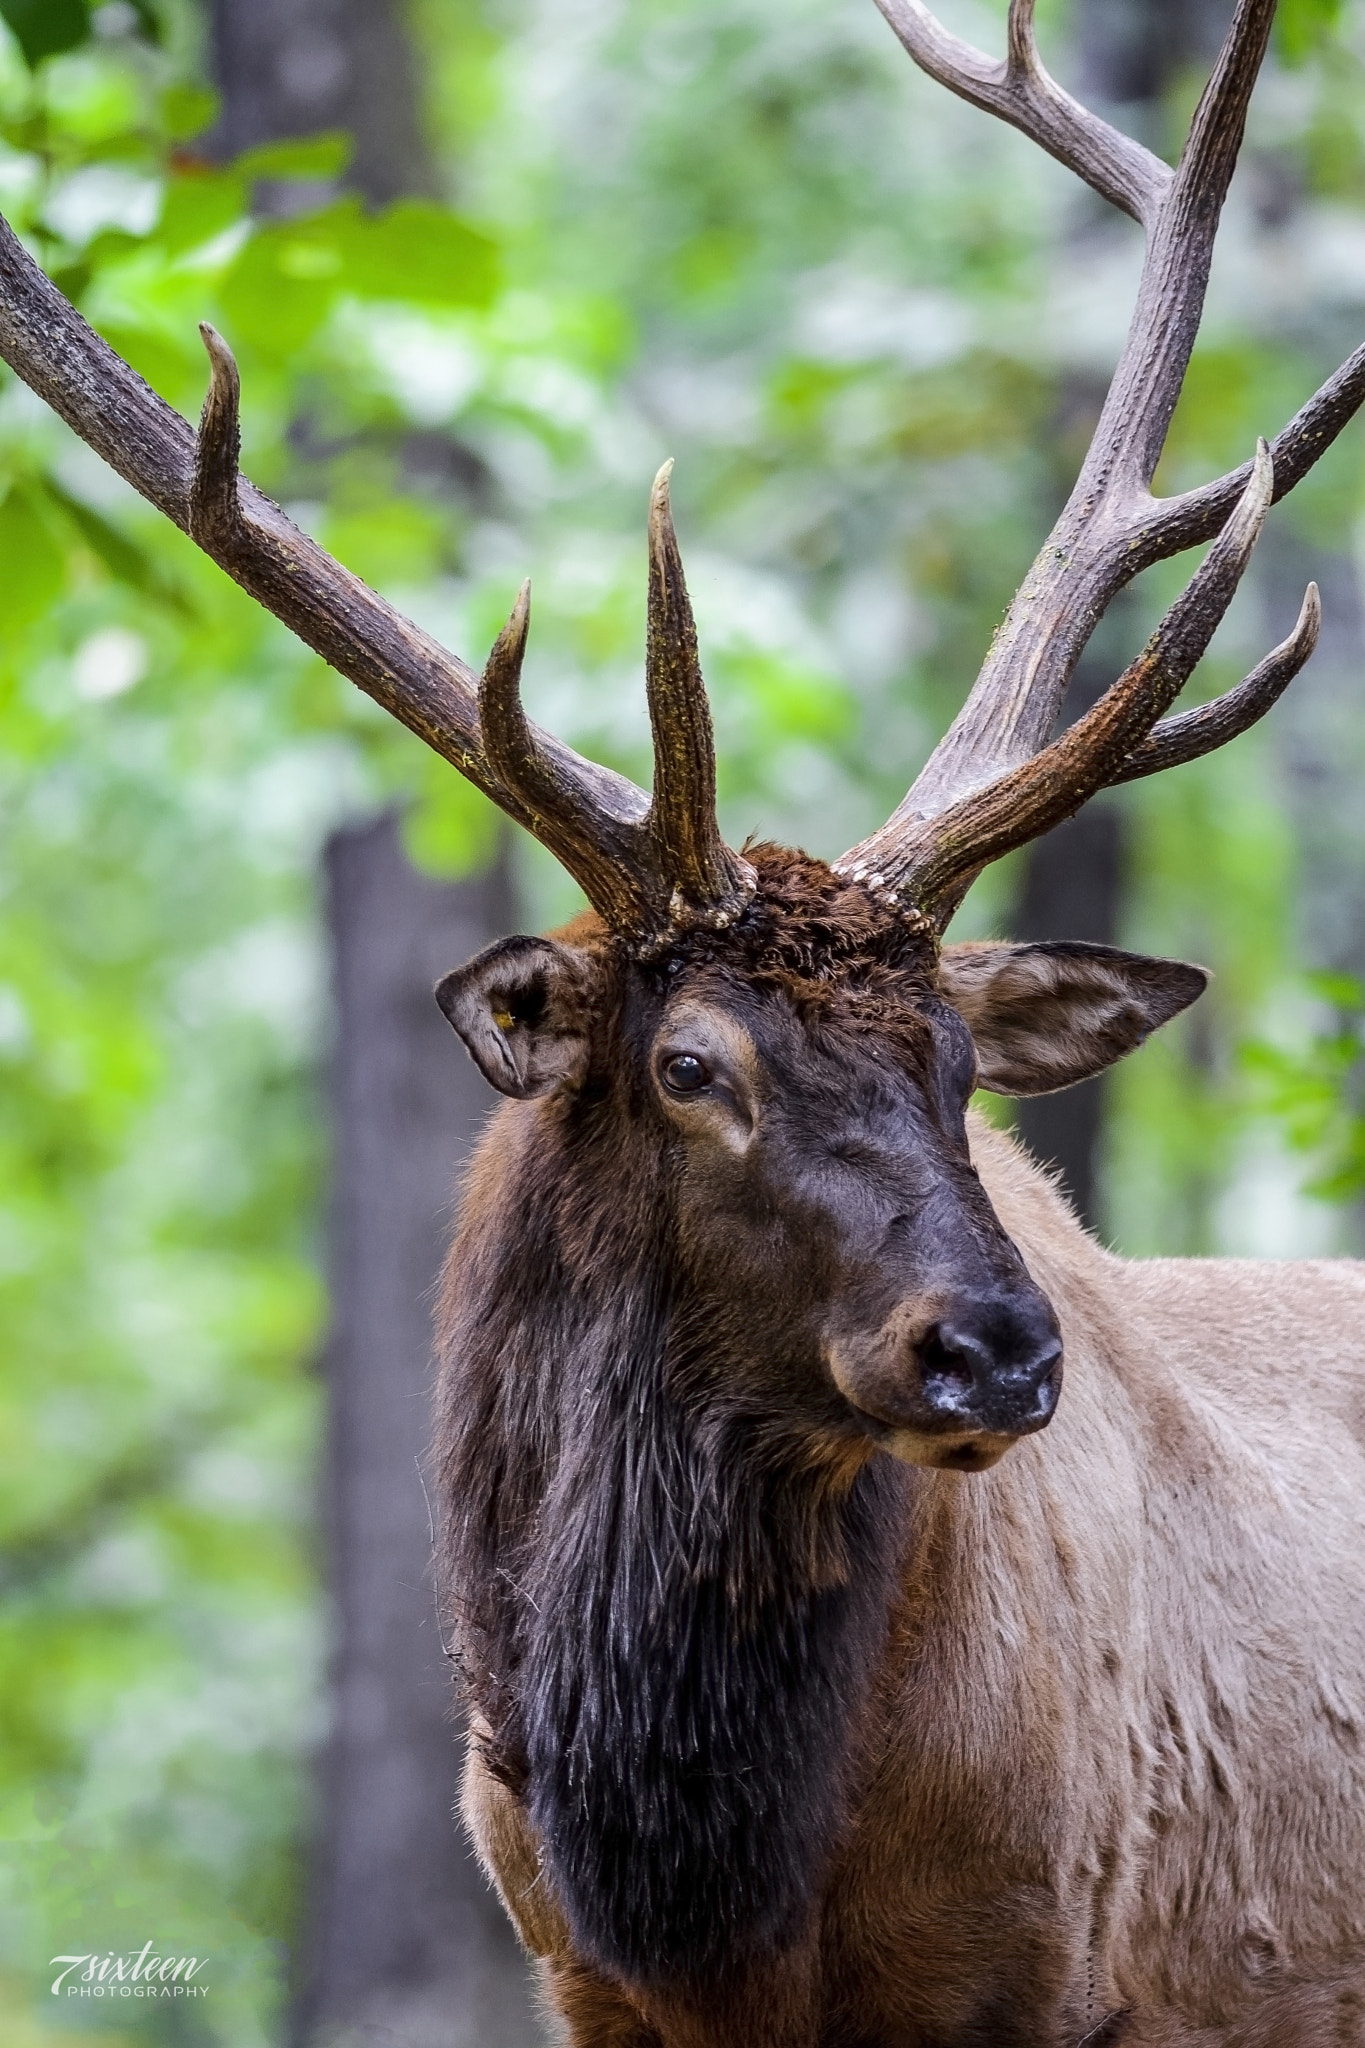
{"x":1117,"y":1758}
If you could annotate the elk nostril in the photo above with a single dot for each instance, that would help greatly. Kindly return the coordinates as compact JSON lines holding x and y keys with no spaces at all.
{"x":1044,"y":1364}
{"x":950,"y":1362}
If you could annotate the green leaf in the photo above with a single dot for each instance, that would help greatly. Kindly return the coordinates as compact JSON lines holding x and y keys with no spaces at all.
{"x":148,"y":20}
{"x":392,"y":541}
{"x":1344,"y":990}
{"x":308,"y":156}
{"x":1302,"y":26}
{"x":416,"y":250}
{"x":159,"y":361}
{"x":44,"y":28}
{"x":200,"y":202}
{"x":187,"y":109}
{"x":32,"y":565}
{"x":451,"y":829}
{"x":123,"y":558}
{"x":286,"y":279}
{"x":281,"y":287}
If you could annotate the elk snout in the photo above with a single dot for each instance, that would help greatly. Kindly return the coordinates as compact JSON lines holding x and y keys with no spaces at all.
{"x":997,"y":1367}
{"x":956,"y":1387}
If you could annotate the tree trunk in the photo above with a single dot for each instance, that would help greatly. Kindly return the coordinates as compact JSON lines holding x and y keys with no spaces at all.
{"x":289,"y":68}
{"x":409,"y":1949}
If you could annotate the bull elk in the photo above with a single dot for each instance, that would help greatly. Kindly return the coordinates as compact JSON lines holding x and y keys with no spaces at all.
{"x":819,"y":1700}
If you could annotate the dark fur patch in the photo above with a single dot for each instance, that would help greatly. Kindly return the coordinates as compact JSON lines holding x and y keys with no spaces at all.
{"x":825,"y":942}
{"x":686,"y":1733}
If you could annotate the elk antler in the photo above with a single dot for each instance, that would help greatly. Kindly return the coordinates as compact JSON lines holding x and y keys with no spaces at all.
{"x":651,"y":868}
{"x":994,"y":781}
{"x":657,"y":866}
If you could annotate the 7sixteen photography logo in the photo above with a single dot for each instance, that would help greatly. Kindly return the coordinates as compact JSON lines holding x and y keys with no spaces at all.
{"x":128,"y":1976}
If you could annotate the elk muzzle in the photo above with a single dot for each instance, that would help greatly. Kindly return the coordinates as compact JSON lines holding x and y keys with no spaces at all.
{"x":955,"y":1381}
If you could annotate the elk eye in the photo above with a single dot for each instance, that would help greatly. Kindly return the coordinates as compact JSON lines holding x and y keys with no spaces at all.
{"x":683,"y":1073}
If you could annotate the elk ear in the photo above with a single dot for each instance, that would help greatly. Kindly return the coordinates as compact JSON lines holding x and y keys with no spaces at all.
{"x":1045,"y":1016}
{"x":523,"y":1009}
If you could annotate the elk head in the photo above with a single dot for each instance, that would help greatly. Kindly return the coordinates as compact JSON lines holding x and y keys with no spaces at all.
{"x":795,"y":1038}
{"x":803,"y":1075}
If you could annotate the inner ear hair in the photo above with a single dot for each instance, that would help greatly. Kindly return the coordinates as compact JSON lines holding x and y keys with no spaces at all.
{"x":1046,"y":1016}
{"x":524,"y":1010}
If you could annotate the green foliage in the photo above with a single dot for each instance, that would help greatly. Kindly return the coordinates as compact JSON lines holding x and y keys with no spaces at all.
{"x":288,"y":277}
{"x":168,"y":761}
{"x":1303,"y":27}
{"x":44,"y":28}
{"x":1317,"y":1089}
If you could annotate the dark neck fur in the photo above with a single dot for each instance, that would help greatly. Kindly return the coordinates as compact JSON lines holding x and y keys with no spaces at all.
{"x":688,"y":1692}
{"x":674,"y":1642}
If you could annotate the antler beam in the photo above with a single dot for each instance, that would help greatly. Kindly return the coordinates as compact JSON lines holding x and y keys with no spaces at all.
{"x":998,"y":751}
{"x":651,"y":870}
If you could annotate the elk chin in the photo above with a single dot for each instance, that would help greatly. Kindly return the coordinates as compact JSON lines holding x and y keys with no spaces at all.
{"x":935,"y":1454}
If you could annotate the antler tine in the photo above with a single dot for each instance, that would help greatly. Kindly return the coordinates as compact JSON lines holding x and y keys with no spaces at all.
{"x":931,"y":865}
{"x":606,"y":854}
{"x":1182,"y":522}
{"x":214,"y":510}
{"x":1142,"y":397}
{"x":1021,"y":92}
{"x":1021,"y":41}
{"x":1209,"y":726}
{"x":506,"y":731}
{"x":710,"y":883}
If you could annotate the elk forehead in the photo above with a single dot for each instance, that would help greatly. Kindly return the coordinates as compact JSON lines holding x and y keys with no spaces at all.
{"x":892,"y":1072}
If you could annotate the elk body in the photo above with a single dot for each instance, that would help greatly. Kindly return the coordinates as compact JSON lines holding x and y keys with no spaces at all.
{"x":836,"y":1679}
{"x":783,"y":1740}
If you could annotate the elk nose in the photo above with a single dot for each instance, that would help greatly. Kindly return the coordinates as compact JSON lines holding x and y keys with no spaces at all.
{"x":993,"y":1366}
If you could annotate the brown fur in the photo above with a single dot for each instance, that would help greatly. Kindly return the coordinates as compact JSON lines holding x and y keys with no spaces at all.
{"x":1105,"y":1780}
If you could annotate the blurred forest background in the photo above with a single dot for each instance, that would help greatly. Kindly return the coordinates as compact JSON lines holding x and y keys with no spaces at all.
{"x":484,"y":264}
